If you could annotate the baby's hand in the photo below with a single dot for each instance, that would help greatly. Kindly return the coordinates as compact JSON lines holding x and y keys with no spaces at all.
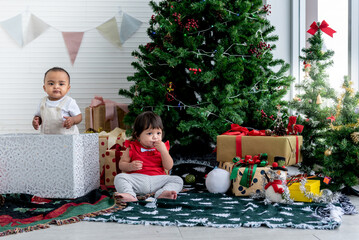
{"x":69,"y":122}
{"x":36,"y":121}
{"x":136,"y":165}
{"x":160,"y":146}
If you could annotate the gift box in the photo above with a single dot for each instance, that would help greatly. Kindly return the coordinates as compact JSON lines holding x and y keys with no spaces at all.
{"x":230,"y":146}
{"x":112,"y":159}
{"x":249,"y":175}
{"x":49,"y":166}
{"x":105,"y":115}
{"x":228,"y":166}
{"x":106,"y":141}
{"x":256,"y":186}
{"x":297,"y":195}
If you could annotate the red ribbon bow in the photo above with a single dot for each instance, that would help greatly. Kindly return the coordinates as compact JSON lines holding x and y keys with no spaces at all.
{"x":331,"y":118}
{"x":324,"y":26}
{"x":292,"y":127}
{"x":239,"y":130}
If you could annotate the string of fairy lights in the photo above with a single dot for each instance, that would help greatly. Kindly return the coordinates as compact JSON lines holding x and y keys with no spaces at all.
{"x":181,"y":105}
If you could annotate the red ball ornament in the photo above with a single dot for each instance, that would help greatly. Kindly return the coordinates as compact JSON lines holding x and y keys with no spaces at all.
{"x":275,"y":164}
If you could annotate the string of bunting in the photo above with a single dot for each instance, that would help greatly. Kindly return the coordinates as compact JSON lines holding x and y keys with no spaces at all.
{"x":36,"y":27}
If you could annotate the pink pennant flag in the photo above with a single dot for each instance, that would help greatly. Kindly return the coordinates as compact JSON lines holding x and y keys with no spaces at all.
{"x":73,"y":42}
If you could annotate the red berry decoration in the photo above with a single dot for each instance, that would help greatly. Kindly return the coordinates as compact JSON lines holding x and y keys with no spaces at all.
{"x":274,"y":164}
{"x":267,"y":8}
{"x":195,"y":70}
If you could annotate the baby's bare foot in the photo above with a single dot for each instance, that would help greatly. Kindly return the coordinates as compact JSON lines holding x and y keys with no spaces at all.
{"x":124,"y":197}
{"x":168,"y":195}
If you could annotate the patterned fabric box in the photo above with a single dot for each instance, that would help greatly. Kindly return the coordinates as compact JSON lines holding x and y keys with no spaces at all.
{"x":257,"y":184}
{"x":49,"y":166}
{"x":106,"y":141}
{"x":112,"y":159}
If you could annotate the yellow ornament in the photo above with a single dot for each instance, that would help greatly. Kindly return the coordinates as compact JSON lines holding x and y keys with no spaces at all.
{"x":355,"y":137}
{"x":319,"y":99}
{"x":328,"y":152}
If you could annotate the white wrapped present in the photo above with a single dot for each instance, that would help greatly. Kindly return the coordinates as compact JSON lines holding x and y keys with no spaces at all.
{"x":49,"y":166}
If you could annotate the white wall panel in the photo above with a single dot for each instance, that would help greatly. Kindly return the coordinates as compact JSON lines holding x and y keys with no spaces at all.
{"x":100,"y":68}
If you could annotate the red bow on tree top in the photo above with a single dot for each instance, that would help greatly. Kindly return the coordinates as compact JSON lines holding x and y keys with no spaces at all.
{"x":324,"y":26}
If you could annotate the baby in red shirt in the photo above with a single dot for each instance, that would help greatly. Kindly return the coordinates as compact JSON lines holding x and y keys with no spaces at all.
{"x":144,"y":162}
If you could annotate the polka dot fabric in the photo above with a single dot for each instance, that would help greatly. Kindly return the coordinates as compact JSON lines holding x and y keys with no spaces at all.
{"x":258,"y":181}
{"x":103,"y":152}
{"x":112,"y":160}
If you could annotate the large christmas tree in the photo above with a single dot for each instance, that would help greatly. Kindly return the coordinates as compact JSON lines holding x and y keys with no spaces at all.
{"x":341,"y":150}
{"x":208,"y":64}
{"x":315,"y":96}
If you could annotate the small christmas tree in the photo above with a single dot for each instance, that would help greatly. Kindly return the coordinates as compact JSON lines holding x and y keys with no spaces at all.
{"x":341,"y":150}
{"x":313,"y":91}
{"x":208,"y":64}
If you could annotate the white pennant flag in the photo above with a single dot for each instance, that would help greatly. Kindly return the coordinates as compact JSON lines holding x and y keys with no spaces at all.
{"x":35,"y":28}
{"x":109,"y":30}
{"x":13,"y":27}
{"x":129,"y":26}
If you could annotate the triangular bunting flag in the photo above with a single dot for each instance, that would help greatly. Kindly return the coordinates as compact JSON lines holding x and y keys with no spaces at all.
{"x":13,"y":27}
{"x":73,"y":42}
{"x":35,"y":28}
{"x":109,"y":30}
{"x":129,"y":26}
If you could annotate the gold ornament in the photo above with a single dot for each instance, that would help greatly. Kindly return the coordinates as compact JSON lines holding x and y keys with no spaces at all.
{"x":319,"y":99}
{"x":355,"y":137}
{"x":328,"y":152}
{"x":268,"y":132}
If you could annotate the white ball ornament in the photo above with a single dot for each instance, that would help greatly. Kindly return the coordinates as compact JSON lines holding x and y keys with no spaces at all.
{"x":218,"y":181}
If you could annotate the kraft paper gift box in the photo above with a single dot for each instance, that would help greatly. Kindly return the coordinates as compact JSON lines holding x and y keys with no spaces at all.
{"x":112,"y":159}
{"x":226,"y":166}
{"x":49,"y":166}
{"x":105,"y":115}
{"x":230,"y":146}
{"x":256,"y":186}
{"x":248,"y":175}
{"x":106,"y":141}
{"x":297,"y":195}
{"x":95,"y":118}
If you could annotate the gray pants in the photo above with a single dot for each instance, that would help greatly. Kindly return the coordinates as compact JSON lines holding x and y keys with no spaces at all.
{"x":136,"y":183}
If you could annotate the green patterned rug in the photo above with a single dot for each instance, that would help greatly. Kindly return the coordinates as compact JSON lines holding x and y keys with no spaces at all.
{"x":220,"y":210}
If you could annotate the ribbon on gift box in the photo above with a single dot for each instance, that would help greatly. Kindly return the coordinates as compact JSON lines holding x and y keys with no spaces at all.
{"x":250,"y":163}
{"x":113,"y":135}
{"x":240,"y":131}
{"x":292,"y":127}
{"x":243,"y":131}
{"x":111,"y":110}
